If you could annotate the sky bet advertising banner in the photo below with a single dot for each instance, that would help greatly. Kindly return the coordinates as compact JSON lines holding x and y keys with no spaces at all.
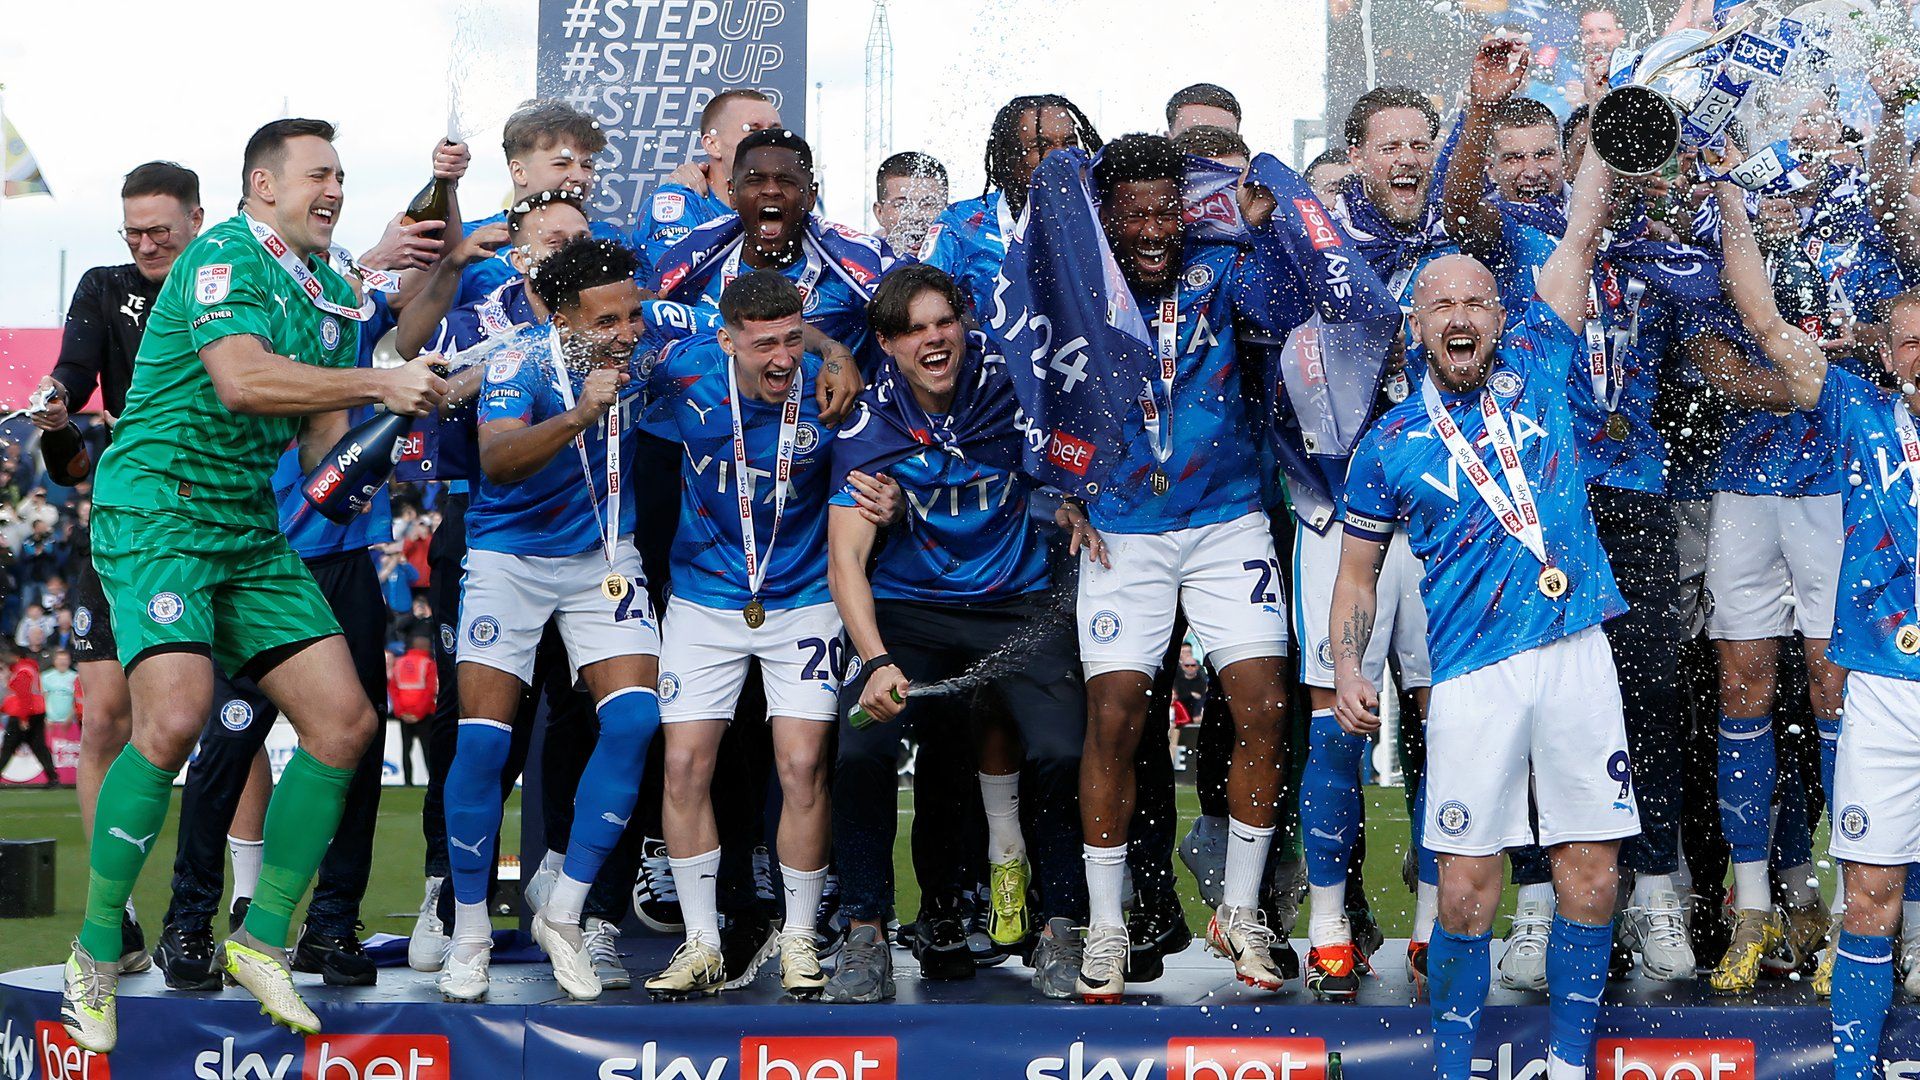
{"x":205,"y":1037}
{"x":645,"y":68}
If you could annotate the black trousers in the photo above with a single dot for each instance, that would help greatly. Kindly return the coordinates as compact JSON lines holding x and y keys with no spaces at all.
{"x":1043,"y":697}
{"x":242,"y":717}
{"x":30,"y":732}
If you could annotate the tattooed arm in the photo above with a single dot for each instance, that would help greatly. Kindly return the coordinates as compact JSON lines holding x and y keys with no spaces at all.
{"x":1356,"y":702}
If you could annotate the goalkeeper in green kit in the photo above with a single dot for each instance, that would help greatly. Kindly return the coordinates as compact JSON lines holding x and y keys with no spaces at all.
{"x":251,"y":345}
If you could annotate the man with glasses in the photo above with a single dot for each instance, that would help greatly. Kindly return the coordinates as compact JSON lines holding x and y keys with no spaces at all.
{"x":160,"y":215}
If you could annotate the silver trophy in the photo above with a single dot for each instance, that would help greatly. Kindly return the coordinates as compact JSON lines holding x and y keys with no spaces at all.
{"x":1677,"y":93}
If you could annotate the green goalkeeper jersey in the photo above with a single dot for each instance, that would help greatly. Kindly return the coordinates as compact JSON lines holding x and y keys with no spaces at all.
{"x":177,"y":449}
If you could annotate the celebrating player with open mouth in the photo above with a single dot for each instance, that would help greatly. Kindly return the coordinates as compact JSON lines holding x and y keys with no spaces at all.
{"x":550,"y":538}
{"x":1516,"y":586}
{"x":251,"y":345}
{"x":749,"y":582}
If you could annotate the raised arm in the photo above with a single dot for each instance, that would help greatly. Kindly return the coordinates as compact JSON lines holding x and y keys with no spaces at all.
{"x":1795,"y":355}
{"x":512,"y":449}
{"x":1564,"y":280}
{"x":1892,"y":75}
{"x":422,"y":315}
{"x":1499,"y":71}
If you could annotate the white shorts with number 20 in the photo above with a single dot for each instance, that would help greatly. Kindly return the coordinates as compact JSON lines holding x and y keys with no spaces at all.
{"x":704,"y":659}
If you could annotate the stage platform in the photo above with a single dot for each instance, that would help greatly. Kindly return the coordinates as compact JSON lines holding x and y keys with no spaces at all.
{"x":1196,"y":1023}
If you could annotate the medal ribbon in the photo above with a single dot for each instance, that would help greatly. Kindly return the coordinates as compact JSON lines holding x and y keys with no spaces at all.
{"x":1167,"y":351}
{"x":1606,"y":368}
{"x":309,"y":284}
{"x":1520,"y":517}
{"x":564,"y":381}
{"x":1910,"y":451}
{"x":757,"y":563}
{"x":809,"y":277}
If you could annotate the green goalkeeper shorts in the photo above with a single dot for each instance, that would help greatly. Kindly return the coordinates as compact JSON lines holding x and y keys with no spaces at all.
{"x":180,"y":585}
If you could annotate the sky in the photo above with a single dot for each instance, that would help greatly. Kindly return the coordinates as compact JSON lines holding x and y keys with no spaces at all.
{"x":150,"y":82}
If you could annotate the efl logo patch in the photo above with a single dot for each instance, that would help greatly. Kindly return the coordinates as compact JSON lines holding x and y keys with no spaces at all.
{"x":1453,"y":817}
{"x":1854,"y":821}
{"x":330,"y":333}
{"x":1673,"y":1059}
{"x":501,"y":370}
{"x":1104,"y":626}
{"x":211,"y":284}
{"x":236,"y":715}
{"x":1321,"y":232}
{"x":669,"y":687}
{"x":1246,"y":1059}
{"x":669,"y":206}
{"x":819,"y":1058}
{"x":165,"y":608}
{"x":484,"y":631}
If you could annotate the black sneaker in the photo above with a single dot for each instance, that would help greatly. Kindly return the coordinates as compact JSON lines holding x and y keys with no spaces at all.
{"x":940,"y":941}
{"x":187,"y":959}
{"x":655,"y":900}
{"x":985,"y":951}
{"x":748,"y":939}
{"x":339,"y":961}
{"x":1367,"y":937}
{"x":134,"y":957}
{"x":1156,"y":929}
{"x":238,"y":916}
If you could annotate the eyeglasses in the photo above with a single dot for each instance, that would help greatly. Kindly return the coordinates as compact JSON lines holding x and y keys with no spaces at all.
{"x":159,"y":234}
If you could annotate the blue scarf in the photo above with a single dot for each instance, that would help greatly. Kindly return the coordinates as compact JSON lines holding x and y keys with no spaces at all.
{"x":888,"y":423}
{"x":1082,"y":355}
{"x":856,"y":258}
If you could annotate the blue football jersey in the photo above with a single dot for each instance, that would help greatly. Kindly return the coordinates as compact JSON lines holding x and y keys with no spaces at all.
{"x":1643,"y":328}
{"x":1877,"y":563}
{"x":1480,"y":586}
{"x":971,"y":244}
{"x":831,"y":306}
{"x":488,"y":274}
{"x":687,"y":404}
{"x":967,"y":538}
{"x":553,"y":512}
{"x":442,"y":446}
{"x":673,"y":211}
{"x":1214,"y":469}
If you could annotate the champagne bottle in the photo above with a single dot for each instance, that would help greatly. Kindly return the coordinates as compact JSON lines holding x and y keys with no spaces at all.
{"x":860,"y":718}
{"x":433,"y":203}
{"x":344,"y":481}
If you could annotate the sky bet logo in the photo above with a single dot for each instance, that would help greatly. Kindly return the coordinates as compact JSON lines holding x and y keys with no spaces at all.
{"x":334,"y":1057}
{"x":793,"y":1058}
{"x":1194,"y":1059}
{"x":1673,"y":1059}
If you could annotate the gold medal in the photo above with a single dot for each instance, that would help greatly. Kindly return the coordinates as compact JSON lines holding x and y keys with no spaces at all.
{"x":1907,"y":639}
{"x":614,"y":587}
{"x":1553,"y":583}
{"x":755,"y":613}
{"x":1159,"y":482}
{"x":1617,"y":427}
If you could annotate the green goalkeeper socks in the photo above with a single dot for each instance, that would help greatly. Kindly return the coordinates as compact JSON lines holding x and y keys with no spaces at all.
{"x":134,"y":797}
{"x":301,"y":820}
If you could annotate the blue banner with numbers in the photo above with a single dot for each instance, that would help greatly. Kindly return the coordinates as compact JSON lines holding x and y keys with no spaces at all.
{"x":645,"y":68}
